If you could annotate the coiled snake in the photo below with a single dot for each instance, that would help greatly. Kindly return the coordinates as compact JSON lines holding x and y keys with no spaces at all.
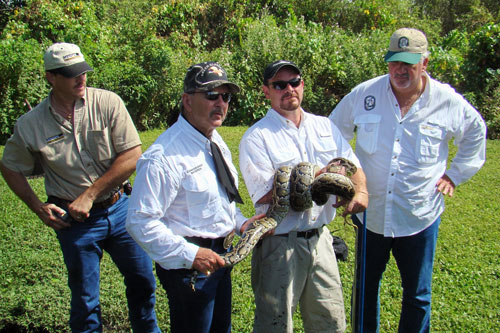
{"x":294,"y":188}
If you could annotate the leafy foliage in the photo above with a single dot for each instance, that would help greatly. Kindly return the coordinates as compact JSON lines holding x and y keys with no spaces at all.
{"x":141,"y":49}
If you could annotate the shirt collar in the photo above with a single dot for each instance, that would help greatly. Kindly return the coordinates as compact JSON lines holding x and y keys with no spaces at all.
{"x":285,"y":122}
{"x":196,"y":135}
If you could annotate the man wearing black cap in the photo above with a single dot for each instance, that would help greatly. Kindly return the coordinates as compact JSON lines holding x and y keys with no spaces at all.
{"x":184,"y":204}
{"x":87,"y":146}
{"x":404,"y":122}
{"x":297,"y":264}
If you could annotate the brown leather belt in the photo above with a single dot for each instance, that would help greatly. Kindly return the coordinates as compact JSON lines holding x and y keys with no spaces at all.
{"x":109,"y":201}
{"x":63,"y":203}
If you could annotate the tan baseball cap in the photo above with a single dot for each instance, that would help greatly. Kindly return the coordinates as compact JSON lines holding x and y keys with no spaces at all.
{"x":65,"y":59}
{"x":406,"y":45}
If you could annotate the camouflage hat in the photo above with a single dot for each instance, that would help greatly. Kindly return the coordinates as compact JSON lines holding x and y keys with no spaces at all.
{"x":207,"y":76}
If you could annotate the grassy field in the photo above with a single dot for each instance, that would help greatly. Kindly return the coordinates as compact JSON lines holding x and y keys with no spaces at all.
{"x":34,"y":296}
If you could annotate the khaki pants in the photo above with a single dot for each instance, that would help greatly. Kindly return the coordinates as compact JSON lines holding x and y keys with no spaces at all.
{"x":292,"y":270}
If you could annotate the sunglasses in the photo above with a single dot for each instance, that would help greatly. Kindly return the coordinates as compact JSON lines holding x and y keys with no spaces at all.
{"x":281,"y":85}
{"x":213,"y":95}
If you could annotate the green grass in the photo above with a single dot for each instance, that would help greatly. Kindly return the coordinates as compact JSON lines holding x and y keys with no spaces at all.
{"x":34,"y":296}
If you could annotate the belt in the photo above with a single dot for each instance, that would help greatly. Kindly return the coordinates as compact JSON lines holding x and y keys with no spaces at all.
{"x":109,"y":201}
{"x":210,"y":243}
{"x":63,"y":203}
{"x":304,"y":234}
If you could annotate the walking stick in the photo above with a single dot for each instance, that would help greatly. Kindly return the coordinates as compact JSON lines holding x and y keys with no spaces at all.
{"x":362,"y":277}
{"x":358,"y":295}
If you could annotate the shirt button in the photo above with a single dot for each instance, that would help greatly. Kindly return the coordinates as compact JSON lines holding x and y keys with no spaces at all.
{"x":390,"y":192}
{"x":395,"y":157}
{"x":392,"y":174}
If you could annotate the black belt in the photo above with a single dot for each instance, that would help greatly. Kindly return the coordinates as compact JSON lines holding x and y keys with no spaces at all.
{"x":304,"y":234}
{"x":210,"y":243}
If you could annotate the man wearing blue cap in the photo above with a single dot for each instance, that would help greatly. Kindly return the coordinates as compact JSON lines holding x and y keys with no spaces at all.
{"x":87,"y":146}
{"x":404,"y":122}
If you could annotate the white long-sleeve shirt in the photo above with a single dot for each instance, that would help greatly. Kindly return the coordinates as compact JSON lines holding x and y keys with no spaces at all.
{"x":176,"y":194}
{"x":404,"y":157}
{"x":275,"y":141}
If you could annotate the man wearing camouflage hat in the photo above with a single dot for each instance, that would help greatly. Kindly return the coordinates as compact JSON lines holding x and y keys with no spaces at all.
{"x":87,"y":146}
{"x":184,"y":205}
{"x":404,"y":122}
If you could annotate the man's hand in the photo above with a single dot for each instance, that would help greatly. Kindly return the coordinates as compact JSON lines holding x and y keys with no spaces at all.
{"x":51,"y":215}
{"x":358,"y":204}
{"x":445,"y":185}
{"x":250,"y":220}
{"x":207,"y":261}
{"x":80,"y":208}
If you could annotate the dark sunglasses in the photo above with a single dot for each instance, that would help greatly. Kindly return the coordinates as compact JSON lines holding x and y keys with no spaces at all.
{"x":213,"y":96}
{"x":280,"y":85}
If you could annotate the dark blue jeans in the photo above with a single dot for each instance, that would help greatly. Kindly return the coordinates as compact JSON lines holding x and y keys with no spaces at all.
{"x":414,"y":256}
{"x":207,"y":309}
{"x":82,"y":245}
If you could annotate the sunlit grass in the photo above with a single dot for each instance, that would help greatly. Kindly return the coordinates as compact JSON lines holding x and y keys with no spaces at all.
{"x":466,"y":297}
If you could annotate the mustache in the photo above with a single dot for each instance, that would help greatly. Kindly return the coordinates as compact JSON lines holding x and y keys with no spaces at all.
{"x":289,"y":94}
{"x":217,"y":110}
{"x":406,"y":76}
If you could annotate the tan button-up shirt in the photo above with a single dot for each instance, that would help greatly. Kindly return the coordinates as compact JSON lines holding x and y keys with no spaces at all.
{"x":73,"y":156}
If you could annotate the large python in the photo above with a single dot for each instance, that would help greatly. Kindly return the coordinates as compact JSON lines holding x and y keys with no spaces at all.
{"x":295,"y":188}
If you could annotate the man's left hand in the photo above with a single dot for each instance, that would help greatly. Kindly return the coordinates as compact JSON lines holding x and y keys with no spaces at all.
{"x":445,"y":185}
{"x":80,"y":208}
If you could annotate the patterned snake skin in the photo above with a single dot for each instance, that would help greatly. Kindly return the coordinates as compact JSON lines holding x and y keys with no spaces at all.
{"x":294,"y":188}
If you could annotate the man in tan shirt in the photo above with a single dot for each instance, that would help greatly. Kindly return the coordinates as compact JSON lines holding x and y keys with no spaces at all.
{"x":86,"y":143}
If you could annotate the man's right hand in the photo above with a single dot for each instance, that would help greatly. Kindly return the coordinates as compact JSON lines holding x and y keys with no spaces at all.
{"x":207,"y":261}
{"x":52,"y":215}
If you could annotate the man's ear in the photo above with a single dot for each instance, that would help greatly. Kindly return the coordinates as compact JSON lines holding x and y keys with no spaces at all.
{"x":50,"y":77}
{"x":265,"y":90}
{"x":186,"y":102}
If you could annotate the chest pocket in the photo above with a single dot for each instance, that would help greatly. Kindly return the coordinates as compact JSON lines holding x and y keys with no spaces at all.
{"x":428,"y":143}
{"x":325,"y":149}
{"x":203,"y":203}
{"x":283,"y":157}
{"x":368,"y":126}
{"x":100,"y":144}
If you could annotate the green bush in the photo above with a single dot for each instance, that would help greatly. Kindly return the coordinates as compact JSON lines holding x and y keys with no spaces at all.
{"x":141,"y":49}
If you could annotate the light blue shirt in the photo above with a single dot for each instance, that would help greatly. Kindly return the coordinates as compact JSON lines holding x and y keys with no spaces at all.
{"x":404,"y":157}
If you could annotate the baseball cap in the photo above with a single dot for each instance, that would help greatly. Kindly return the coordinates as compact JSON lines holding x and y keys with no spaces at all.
{"x":406,"y":45}
{"x":65,"y":59}
{"x":207,"y":76}
{"x":274,"y":67}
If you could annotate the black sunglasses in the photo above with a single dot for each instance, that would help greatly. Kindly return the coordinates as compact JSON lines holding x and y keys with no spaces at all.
{"x":213,"y":95}
{"x":280,"y":85}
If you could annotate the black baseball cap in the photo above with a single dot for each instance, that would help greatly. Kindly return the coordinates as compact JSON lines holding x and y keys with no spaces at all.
{"x":207,"y":76}
{"x":274,"y":67}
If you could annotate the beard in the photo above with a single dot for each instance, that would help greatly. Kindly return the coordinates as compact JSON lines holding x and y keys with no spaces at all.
{"x":290,"y":102}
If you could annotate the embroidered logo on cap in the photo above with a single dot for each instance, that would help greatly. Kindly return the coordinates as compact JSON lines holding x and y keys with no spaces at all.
{"x":403,"y":42}
{"x":369,"y":102}
{"x":71,"y":56}
{"x":215,"y":70}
